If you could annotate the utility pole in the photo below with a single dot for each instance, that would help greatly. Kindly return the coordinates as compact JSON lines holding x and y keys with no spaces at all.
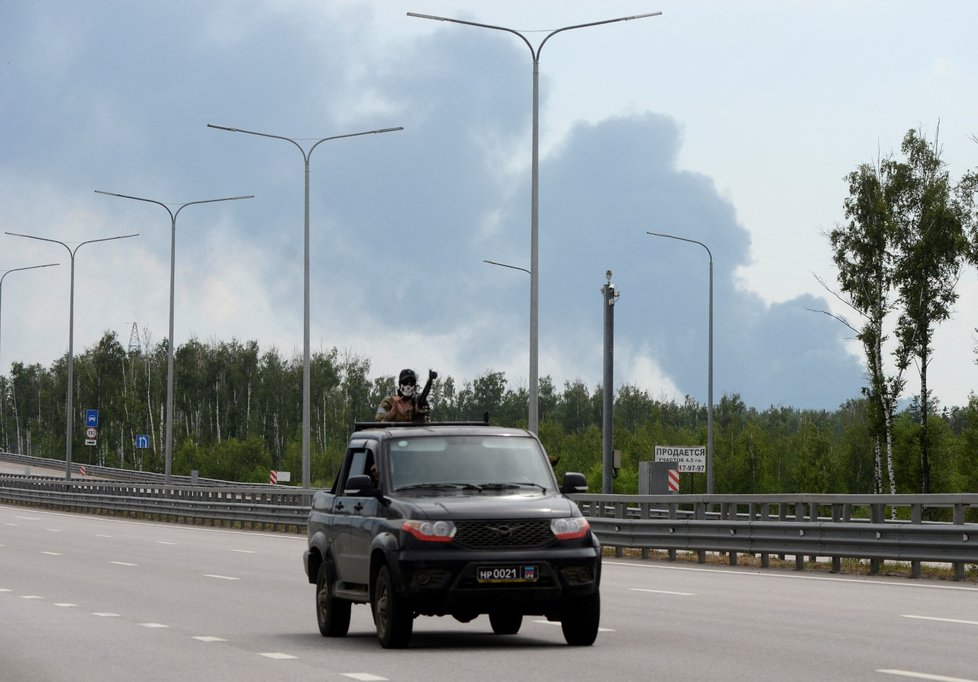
{"x":609,"y":296}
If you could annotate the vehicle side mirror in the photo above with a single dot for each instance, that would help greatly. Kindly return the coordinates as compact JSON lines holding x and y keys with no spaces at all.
{"x":359,"y":485}
{"x":574,"y":482}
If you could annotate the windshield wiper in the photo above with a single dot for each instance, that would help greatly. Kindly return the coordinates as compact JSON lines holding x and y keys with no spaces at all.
{"x":438,"y":486}
{"x":509,"y":486}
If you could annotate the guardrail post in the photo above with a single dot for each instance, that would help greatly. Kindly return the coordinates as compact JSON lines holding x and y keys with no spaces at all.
{"x":621,"y":512}
{"x":800,"y":517}
{"x":877,"y":514}
{"x":671,"y":513}
{"x":916,"y":517}
{"x":837,"y":513}
{"x":644,"y":512}
{"x":958,"y":521}
{"x":765,"y":515}
{"x":699,"y":513}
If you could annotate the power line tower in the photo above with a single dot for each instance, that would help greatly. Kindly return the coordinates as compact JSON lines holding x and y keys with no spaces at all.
{"x":134,"y":345}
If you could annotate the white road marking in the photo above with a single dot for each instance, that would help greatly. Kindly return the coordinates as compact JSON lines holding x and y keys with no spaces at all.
{"x":364,"y":677}
{"x":53,"y":530}
{"x":220,"y":577}
{"x":153,"y":625}
{"x":681,"y":594}
{"x":12,"y":525}
{"x":786,"y":576}
{"x":5,"y":589}
{"x":99,"y":535}
{"x":557,"y":622}
{"x":52,"y":553}
{"x":104,"y":614}
{"x":924,"y":676}
{"x":164,"y":542}
{"x":277,"y":656}
{"x":123,"y":563}
{"x":208,"y":638}
{"x":31,"y":596}
{"x":28,"y":518}
{"x":943,"y":620}
{"x":243,"y":551}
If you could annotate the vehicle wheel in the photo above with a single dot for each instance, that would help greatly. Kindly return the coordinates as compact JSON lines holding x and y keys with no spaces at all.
{"x":506,"y":622}
{"x":580,"y":620}
{"x":332,"y":612}
{"x":392,"y":617}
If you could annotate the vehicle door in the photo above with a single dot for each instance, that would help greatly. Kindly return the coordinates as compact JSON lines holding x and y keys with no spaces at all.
{"x":353,"y":518}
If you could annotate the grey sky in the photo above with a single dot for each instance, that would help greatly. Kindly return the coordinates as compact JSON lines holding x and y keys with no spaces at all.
{"x":730,"y":123}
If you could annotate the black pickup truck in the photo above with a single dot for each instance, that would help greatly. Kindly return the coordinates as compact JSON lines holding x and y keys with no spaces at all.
{"x":454,"y":519}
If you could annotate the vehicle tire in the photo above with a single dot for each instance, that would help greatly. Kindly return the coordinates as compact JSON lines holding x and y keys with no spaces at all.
{"x":505,"y":622}
{"x":392,"y":616}
{"x":332,"y":612}
{"x":580,"y":619}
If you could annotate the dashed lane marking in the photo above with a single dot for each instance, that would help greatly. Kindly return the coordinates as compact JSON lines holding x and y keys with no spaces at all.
{"x":66,"y":605}
{"x":123,"y":563}
{"x":5,"y":589}
{"x":243,"y":551}
{"x":943,"y":620}
{"x":924,"y":676}
{"x":53,"y":530}
{"x":28,"y":518}
{"x":209,"y":638}
{"x":277,"y":656}
{"x":100,"y":535}
{"x":164,"y":542}
{"x":220,"y":577}
{"x":52,"y":553}
{"x":105,"y":614}
{"x":153,"y":626}
{"x":31,"y":596}
{"x":557,"y":622}
{"x":364,"y":677}
{"x":681,"y":594}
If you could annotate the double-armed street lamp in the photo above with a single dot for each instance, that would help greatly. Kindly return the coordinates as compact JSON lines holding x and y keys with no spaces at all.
{"x":306,"y":371}
{"x":170,"y":343}
{"x":534,"y":184}
{"x":71,"y":333}
{"x":709,"y":398}
{"x":4,"y":276}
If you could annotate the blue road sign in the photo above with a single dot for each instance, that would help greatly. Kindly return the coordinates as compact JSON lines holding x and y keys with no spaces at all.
{"x":142,"y":442}
{"x":91,"y":417}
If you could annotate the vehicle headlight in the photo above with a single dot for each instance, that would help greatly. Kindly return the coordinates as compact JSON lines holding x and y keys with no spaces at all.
{"x":570,"y":529}
{"x":430,"y":531}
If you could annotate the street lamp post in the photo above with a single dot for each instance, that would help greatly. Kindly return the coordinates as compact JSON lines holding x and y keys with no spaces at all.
{"x":516,"y":267}
{"x":534,"y":185}
{"x":71,"y":334}
{"x":4,"y":276}
{"x":709,"y":398}
{"x":168,"y":448}
{"x":306,"y":371}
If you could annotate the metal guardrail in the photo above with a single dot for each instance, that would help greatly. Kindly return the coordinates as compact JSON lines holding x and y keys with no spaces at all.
{"x":920,"y":528}
{"x":279,"y":508}
{"x":926,"y":528}
{"x":112,"y":473}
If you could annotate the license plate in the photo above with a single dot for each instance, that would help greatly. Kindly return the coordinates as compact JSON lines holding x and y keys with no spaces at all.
{"x":516,"y":573}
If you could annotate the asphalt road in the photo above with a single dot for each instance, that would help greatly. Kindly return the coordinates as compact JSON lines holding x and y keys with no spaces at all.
{"x":94,"y":598}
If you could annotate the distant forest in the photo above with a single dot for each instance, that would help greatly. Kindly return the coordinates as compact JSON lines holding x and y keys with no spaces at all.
{"x":238,"y":414}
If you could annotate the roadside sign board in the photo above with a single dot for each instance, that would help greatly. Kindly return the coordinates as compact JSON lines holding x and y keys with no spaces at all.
{"x":142,"y":442}
{"x":91,"y":433}
{"x":690,"y":459}
{"x":91,"y":417}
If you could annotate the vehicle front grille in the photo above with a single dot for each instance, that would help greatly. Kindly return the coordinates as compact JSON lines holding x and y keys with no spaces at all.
{"x":525,"y":533}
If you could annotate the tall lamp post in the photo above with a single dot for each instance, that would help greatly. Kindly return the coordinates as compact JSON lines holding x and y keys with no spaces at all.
{"x":534,"y":185}
{"x":170,"y":343}
{"x":709,"y":398}
{"x":4,"y":276}
{"x":306,"y":371}
{"x":71,"y":333}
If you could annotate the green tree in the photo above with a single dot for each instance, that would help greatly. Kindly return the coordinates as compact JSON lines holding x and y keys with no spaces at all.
{"x":930,"y":240}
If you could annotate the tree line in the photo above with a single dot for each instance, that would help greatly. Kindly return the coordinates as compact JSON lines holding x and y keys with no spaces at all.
{"x":238,"y":414}
{"x":909,"y":230}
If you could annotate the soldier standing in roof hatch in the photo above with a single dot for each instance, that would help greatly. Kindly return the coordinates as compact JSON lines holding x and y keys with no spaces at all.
{"x":405,"y":405}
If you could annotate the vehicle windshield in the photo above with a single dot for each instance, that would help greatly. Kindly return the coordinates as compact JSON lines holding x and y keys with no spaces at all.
{"x":468,"y":463}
